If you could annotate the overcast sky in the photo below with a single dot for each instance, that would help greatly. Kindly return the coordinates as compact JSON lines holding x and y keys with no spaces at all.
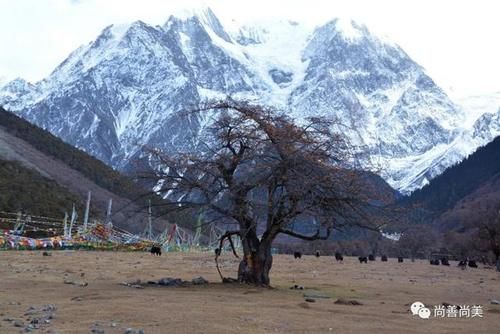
{"x":458,"y":42}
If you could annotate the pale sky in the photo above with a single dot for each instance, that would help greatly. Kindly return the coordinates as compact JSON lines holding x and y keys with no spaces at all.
{"x":457,"y":42}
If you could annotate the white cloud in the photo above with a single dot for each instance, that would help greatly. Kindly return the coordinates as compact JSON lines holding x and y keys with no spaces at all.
{"x":456,"y":41}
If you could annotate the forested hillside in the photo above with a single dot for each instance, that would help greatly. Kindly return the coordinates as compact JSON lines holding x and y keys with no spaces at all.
{"x":92,"y":168}
{"x":22,"y":189}
{"x":41,"y":175}
{"x":458,"y":181}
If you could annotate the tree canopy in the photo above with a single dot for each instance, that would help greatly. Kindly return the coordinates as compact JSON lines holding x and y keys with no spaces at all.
{"x":262,"y":175}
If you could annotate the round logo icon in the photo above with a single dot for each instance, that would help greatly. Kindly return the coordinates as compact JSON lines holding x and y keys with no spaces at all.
{"x":424,"y":313}
{"x":415,"y":307}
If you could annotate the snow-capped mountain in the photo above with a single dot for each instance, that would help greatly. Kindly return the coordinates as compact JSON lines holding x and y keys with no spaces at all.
{"x":135,"y":85}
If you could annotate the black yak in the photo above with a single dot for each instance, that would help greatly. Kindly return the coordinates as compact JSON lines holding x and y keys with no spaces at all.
{"x":156,"y":250}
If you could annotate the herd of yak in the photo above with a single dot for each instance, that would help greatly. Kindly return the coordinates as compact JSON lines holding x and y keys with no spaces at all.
{"x":156,"y":250}
{"x":364,"y":259}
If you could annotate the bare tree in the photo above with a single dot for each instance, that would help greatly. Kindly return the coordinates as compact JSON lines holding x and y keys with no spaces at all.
{"x":488,"y":234}
{"x":265,"y":176}
{"x":417,"y":240}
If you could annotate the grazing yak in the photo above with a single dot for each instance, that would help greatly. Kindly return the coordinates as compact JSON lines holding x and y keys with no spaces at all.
{"x":462,"y":264}
{"x":363,"y":259}
{"x":297,"y":255}
{"x":434,"y":262}
{"x":400,"y":259}
{"x":156,"y":250}
{"x":472,"y":264}
{"x":317,"y":254}
{"x":339,"y":257}
{"x":384,"y":258}
{"x":371,"y":257}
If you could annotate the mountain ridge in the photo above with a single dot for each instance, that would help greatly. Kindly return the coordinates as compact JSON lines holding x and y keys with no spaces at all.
{"x":130,"y":87}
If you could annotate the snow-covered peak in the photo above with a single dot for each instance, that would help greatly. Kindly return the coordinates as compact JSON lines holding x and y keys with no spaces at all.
{"x":208,"y":18}
{"x":204,"y":16}
{"x":349,"y":29}
{"x":114,"y":42}
{"x":343,"y":28}
{"x":352,"y":32}
{"x":16,"y":93}
{"x":118,"y":30}
{"x":187,"y":13}
{"x":17,"y":84}
{"x":112,"y":35}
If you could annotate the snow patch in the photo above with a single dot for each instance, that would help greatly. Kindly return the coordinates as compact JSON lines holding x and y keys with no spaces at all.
{"x":349,"y":29}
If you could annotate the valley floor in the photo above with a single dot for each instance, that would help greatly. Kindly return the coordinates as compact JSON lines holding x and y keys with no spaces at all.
{"x":29,"y":282}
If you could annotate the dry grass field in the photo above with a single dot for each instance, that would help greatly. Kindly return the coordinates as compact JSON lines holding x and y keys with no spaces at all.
{"x":29,"y":282}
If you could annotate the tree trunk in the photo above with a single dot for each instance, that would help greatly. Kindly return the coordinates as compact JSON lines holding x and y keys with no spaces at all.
{"x":255,"y":267}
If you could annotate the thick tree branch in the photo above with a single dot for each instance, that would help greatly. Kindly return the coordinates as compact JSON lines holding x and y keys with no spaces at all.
{"x":313,"y":237}
{"x":228,"y":235}
{"x":218,"y":251}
